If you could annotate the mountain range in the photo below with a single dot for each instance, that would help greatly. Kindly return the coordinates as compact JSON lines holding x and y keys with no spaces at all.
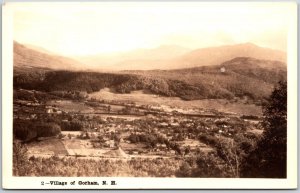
{"x":163,"y":57}
{"x":176,"y":57}
{"x":228,"y":75}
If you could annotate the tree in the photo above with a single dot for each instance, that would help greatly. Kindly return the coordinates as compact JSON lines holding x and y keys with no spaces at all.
{"x":19,"y":159}
{"x":187,"y":150}
{"x":24,"y":130}
{"x":268,"y":159}
{"x":47,"y":129}
{"x":205,"y":165}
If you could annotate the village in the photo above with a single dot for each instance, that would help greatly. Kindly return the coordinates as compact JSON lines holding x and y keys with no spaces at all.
{"x":111,"y":129}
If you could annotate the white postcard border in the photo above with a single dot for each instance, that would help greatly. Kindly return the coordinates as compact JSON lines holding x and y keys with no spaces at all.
{"x":11,"y":182}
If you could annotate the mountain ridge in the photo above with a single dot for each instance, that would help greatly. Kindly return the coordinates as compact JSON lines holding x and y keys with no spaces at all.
{"x":204,"y":57}
{"x":217,"y":55}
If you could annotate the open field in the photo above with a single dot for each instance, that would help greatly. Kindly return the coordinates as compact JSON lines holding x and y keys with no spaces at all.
{"x":70,"y":106}
{"x":142,"y":98}
{"x":82,"y":149}
{"x":71,"y":147}
{"x":132,"y":147}
{"x":47,"y":147}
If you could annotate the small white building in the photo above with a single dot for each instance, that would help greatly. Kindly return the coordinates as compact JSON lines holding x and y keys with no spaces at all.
{"x":49,"y":110}
{"x":110,"y":143}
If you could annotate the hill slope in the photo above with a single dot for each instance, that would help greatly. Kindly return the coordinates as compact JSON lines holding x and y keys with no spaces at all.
{"x":24,"y":56}
{"x":238,"y":77}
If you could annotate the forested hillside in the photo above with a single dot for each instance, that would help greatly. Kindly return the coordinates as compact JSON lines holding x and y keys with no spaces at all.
{"x":236,"y":78}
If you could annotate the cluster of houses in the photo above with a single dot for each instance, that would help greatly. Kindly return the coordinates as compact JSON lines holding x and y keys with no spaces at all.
{"x":172,"y":125}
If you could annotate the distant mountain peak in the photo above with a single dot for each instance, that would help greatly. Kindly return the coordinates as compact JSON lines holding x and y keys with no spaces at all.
{"x":217,"y":55}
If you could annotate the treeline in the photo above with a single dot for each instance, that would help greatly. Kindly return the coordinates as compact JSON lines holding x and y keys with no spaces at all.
{"x":19,"y":94}
{"x":28,"y":130}
{"x":60,"y":82}
{"x":71,"y":126}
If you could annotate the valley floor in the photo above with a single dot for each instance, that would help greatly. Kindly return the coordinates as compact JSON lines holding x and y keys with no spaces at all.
{"x":136,"y":126}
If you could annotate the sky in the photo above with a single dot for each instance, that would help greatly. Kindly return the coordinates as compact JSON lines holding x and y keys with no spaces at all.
{"x":92,"y":28}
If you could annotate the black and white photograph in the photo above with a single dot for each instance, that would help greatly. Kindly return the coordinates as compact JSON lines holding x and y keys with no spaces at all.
{"x":148,"y":90}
